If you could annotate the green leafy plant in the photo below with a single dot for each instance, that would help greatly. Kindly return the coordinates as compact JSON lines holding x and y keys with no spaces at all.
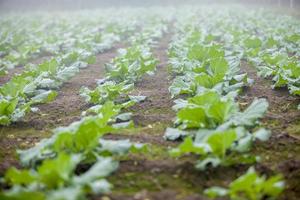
{"x":131,"y":64}
{"x":250,"y":186}
{"x":56,"y":179}
{"x":216,"y":147}
{"x":210,"y":110}
{"x":107,"y":91}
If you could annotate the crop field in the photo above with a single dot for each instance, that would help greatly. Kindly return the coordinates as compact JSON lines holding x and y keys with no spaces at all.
{"x":192,"y":103}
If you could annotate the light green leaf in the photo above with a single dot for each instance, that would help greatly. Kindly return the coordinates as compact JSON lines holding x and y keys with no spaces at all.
{"x":262,"y":134}
{"x":137,"y":99}
{"x":220,"y":142}
{"x":44,"y":97}
{"x":174,"y":134}
{"x":214,"y":192}
{"x":254,"y":112}
{"x":192,"y":118}
{"x":102,"y":168}
{"x":19,"y":177}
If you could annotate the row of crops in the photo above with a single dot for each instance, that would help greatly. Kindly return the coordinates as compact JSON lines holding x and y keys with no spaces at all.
{"x":205,"y":58}
{"x":208,"y":116}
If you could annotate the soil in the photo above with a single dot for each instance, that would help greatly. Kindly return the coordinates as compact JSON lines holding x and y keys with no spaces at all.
{"x":155,"y":175}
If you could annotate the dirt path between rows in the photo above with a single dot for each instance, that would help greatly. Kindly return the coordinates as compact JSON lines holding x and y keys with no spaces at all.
{"x":65,"y":109}
{"x":282,"y":152}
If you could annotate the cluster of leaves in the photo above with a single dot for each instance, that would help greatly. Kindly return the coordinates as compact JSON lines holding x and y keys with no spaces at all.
{"x":217,"y":147}
{"x":131,"y":64}
{"x":134,"y":62}
{"x":58,"y":179}
{"x":210,"y":110}
{"x":249,"y":186}
{"x":275,"y":63}
{"x":216,"y":122}
{"x":109,"y":90}
{"x":285,"y":71}
{"x":201,"y":65}
{"x":128,"y":67}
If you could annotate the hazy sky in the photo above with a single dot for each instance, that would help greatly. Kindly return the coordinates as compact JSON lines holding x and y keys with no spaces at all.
{"x":81,"y":4}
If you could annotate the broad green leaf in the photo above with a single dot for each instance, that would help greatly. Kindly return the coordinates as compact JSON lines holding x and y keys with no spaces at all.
{"x":102,"y":168}
{"x":254,"y":112}
{"x":220,"y":142}
{"x":54,"y":173}
{"x":205,"y":100}
{"x":21,"y":195}
{"x":218,"y":66}
{"x":188,"y":147}
{"x":137,"y":99}
{"x":68,"y":193}
{"x":48,"y":66}
{"x":45,"y":97}
{"x":252,"y":42}
{"x":174,"y":134}
{"x":19,"y":177}
{"x":262,"y":134}
{"x":215,"y":191}
{"x":192,"y":118}
{"x":222,"y":111}
{"x":250,"y":186}
{"x":100,"y":186}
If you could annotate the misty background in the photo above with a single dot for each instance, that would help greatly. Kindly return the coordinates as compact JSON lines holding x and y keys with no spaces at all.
{"x":8,"y":5}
